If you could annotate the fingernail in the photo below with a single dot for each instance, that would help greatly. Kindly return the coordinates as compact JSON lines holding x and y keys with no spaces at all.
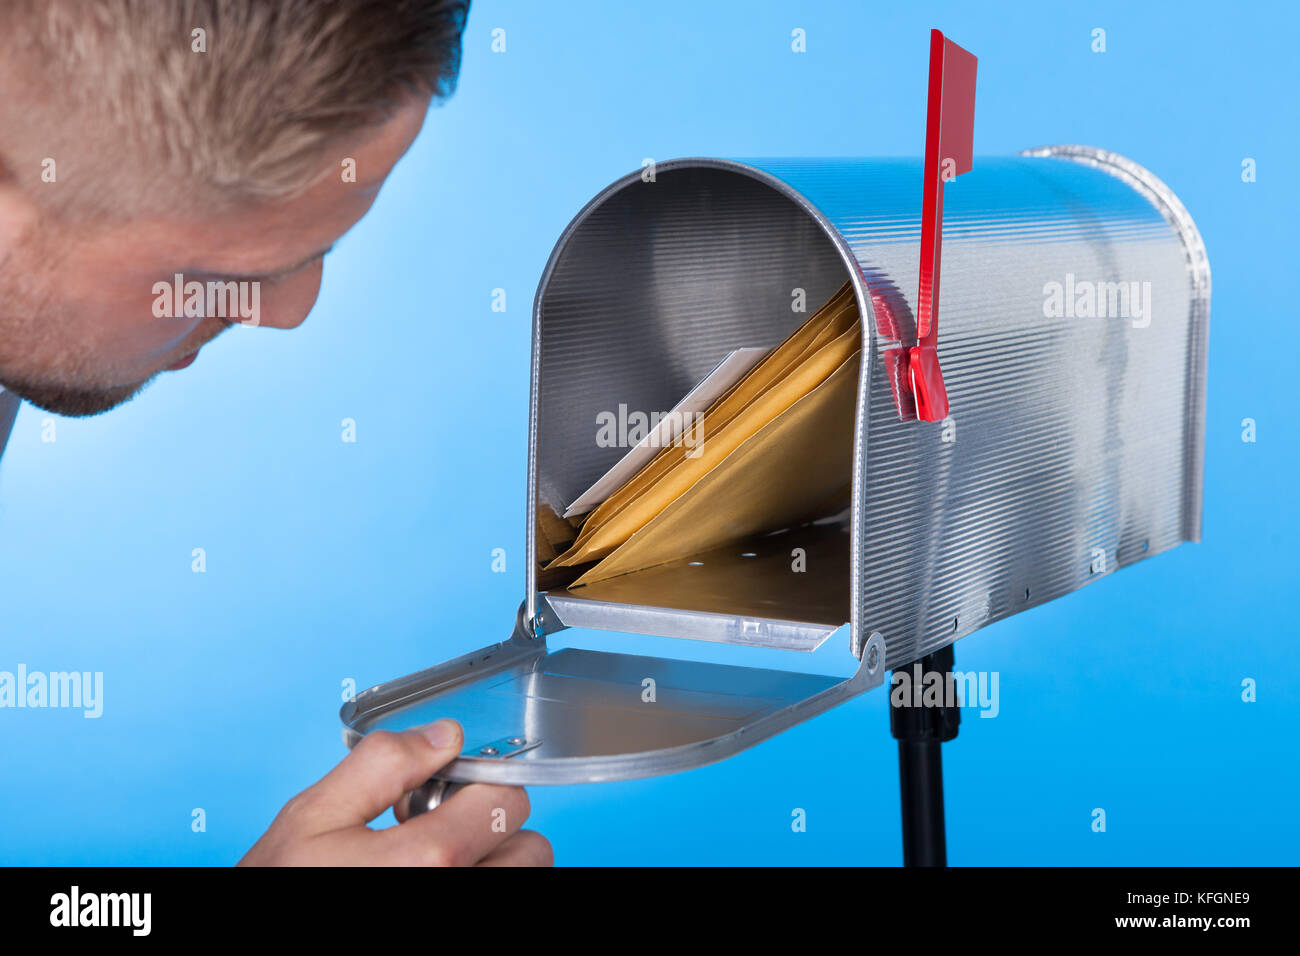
{"x":442,"y":733}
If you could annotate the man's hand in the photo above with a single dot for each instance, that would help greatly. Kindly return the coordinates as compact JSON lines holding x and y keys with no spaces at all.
{"x":325,"y":825}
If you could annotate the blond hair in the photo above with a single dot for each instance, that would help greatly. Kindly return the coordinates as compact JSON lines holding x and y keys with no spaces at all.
{"x":145,"y":103}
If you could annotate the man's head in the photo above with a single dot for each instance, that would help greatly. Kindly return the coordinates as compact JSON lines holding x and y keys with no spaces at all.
{"x":170,"y":167}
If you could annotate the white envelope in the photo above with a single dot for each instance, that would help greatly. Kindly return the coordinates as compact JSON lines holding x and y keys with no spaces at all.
{"x":728,"y":372}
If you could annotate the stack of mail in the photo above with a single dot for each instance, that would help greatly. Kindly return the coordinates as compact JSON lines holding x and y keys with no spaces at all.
{"x":774,"y":450}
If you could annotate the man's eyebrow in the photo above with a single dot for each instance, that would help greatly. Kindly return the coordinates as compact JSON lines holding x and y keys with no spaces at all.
{"x":270,"y":274}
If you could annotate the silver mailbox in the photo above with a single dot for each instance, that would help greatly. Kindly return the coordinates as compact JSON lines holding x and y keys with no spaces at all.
{"x":1073,"y":342}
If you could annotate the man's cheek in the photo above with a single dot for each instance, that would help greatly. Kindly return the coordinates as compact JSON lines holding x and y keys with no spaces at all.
{"x":124,"y":337}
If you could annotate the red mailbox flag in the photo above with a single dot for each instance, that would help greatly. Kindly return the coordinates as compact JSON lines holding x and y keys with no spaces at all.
{"x":949,"y":145}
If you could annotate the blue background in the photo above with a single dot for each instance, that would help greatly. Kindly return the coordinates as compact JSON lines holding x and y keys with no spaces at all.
{"x":328,"y":560}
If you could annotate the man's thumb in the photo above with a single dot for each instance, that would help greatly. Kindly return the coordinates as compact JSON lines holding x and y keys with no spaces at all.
{"x":379,"y":770}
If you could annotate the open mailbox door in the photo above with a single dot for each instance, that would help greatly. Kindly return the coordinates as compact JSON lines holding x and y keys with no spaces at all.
{"x":532,"y":716}
{"x":1046,"y":433}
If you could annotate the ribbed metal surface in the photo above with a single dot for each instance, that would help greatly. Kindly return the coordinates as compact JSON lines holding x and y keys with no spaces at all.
{"x":1071,"y":437}
{"x":658,"y":285}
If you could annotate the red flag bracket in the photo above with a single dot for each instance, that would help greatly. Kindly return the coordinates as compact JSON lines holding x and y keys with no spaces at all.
{"x":949,"y":148}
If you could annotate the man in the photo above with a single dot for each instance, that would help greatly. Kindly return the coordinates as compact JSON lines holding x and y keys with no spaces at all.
{"x":169,"y":168}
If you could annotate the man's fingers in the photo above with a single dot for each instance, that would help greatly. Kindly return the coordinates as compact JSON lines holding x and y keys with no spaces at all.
{"x":326,"y":823}
{"x":525,"y":848}
{"x":363,"y":847}
{"x":375,"y":775}
{"x":460,"y":832}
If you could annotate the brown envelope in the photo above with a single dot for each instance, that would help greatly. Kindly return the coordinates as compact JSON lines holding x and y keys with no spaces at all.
{"x":779,"y":380}
{"x":553,"y":534}
{"x":810,"y":373}
{"x":823,"y":326}
{"x":799,"y":466}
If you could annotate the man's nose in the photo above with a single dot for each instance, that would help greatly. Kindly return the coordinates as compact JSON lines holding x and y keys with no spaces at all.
{"x":287,"y":305}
